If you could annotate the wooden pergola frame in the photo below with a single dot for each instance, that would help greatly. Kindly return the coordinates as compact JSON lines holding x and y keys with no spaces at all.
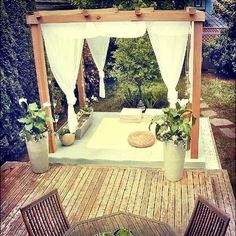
{"x":108,"y":15}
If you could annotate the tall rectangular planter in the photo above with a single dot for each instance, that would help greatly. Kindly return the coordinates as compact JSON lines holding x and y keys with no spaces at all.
{"x":84,"y":123}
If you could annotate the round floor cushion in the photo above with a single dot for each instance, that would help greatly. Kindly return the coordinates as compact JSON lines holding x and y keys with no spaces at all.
{"x":141,"y":139}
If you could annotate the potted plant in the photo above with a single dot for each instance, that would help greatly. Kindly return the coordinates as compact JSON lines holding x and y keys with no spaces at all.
{"x":35,"y":133}
{"x":174,"y":129}
{"x":66,"y":137}
{"x":85,"y":118}
{"x":119,"y":232}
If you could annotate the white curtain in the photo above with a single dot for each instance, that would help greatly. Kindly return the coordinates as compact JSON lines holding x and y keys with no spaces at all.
{"x":64,"y":55}
{"x":94,"y":29}
{"x":169,"y":40}
{"x":191,"y":62}
{"x":98,"y":48}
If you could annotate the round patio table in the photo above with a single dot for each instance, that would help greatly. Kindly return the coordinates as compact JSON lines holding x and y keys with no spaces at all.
{"x":140,"y":226}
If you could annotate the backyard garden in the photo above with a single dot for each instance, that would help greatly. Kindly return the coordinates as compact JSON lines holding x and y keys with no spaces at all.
{"x":131,"y":74}
{"x":72,"y":160}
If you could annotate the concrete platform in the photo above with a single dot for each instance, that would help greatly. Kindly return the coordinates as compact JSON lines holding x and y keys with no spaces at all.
{"x":105,"y":143}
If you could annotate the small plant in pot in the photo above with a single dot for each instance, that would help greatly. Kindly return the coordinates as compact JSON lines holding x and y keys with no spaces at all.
{"x":174,"y":129}
{"x":35,"y":133}
{"x":66,"y":137}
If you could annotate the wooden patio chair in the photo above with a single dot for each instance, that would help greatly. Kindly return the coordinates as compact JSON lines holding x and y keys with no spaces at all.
{"x":45,"y":216}
{"x":207,"y":219}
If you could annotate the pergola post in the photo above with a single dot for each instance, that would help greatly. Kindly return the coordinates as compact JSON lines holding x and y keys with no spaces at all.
{"x":197,"y":62}
{"x":41,"y":73}
{"x":80,"y":85}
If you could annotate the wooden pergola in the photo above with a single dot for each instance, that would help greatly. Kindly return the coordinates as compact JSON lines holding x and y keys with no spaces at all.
{"x":112,"y":15}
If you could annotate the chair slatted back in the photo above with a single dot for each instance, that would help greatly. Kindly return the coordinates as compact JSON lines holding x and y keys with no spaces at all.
{"x":45,"y":216}
{"x":206,"y":219}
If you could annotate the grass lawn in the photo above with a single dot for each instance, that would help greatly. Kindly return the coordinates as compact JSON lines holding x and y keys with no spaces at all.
{"x":219,"y":94}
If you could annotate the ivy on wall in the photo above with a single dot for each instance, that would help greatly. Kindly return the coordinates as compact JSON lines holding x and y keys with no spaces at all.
{"x":17,"y":74}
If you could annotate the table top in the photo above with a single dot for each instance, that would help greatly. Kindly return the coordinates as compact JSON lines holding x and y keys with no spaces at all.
{"x":140,"y":226}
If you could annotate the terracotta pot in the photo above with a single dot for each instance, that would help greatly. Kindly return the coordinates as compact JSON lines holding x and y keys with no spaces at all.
{"x":67,"y":139}
{"x":38,"y":155}
{"x":174,"y":156}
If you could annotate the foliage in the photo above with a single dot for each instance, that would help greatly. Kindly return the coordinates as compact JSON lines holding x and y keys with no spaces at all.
{"x":16,"y":13}
{"x":123,"y":232}
{"x":175,"y":124}
{"x":119,"y":232}
{"x":121,"y":4}
{"x":221,"y":51}
{"x":34,"y":121}
{"x":63,"y":131}
{"x":17,"y":74}
{"x":153,"y":96}
{"x":11,"y":145}
{"x":135,"y":62}
{"x":226,"y":10}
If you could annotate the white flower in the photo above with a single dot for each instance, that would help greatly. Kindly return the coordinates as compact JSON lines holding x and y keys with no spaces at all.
{"x":95,"y":99}
{"x":182,"y":102}
{"x":22,"y":100}
{"x":46,"y":104}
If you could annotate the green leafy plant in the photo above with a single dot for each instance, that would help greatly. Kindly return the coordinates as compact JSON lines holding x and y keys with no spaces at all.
{"x":63,"y":131}
{"x":123,"y":232}
{"x":105,"y":234}
{"x":135,"y":63}
{"x":175,"y":124}
{"x":119,"y":232}
{"x":35,"y":121}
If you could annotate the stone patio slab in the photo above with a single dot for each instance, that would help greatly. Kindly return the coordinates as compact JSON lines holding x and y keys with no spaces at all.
{"x":228,"y":132}
{"x":208,"y":113}
{"x":105,"y":143}
{"x":221,"y":122}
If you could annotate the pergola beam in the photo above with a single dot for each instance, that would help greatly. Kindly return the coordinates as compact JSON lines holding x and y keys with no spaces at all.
{"x":112,"y":15}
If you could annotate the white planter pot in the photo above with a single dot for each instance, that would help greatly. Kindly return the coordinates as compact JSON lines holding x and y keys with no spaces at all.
{"x":174,"y":156}
{"x":38,"y":155}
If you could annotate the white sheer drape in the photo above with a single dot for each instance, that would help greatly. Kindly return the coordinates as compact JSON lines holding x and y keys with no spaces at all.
{"x":191,"y":62}
{"x":94,"y":29}
{"x":169,"y":40}
{"x":64,"y":44}
{"x":98,"y":48}
{"x":64,"y":55}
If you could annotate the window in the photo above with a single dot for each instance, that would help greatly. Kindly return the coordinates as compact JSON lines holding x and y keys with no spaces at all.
{"x":198,"y":3}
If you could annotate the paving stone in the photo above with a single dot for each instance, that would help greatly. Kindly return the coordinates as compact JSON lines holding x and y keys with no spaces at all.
{"x":203,"y":105}
{"x":208,"y":113}
{"x":228,"y":132}
{"x":220,"y":122}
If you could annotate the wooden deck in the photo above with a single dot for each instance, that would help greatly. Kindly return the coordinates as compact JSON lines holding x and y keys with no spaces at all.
{"x":88,"y":191}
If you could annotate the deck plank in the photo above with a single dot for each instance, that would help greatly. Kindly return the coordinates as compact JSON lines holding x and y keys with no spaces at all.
{"x":89,"y":191}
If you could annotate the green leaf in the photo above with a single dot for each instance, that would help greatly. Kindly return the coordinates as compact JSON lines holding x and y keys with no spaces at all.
{"x":33,"y":106}
{"x":186,"y":128}
{"x":24,"y":120}
{"x":29,"y":127}
{"x":174,"y":128}
{"x":39,"y":125}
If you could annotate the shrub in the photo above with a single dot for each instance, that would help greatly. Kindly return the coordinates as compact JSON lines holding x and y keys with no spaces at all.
{"x":135,"y":63}
{"x":221,"y":51}
{"x":153,"y":96}
{"x":16,"y":74}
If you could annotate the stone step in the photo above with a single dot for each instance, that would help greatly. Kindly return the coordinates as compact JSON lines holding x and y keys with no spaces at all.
{"x":208,"y":113}
{"x":221,"y":122}
{"x":230,"y":133}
